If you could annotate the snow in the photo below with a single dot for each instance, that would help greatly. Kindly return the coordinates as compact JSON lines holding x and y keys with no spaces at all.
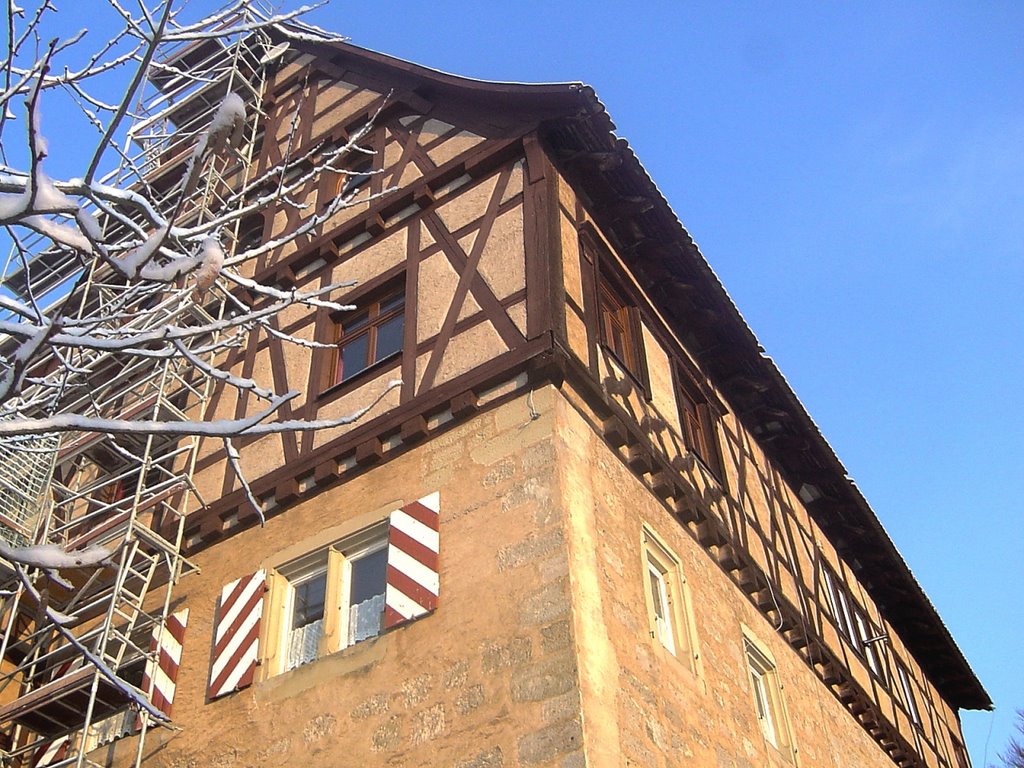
{"x":53,"y":556}
{"x":133,"y":261}
{"x":211,"y":261}
{"x":226,"y":127}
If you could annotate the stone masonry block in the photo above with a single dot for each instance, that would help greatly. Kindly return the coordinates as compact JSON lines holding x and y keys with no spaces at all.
{"x":502,"y":655}
{"x":455,"y":675}
{"x":546,"y":604}
{"x":388,"y":735}
{"x":556,"y":637}
{"x":546,"y":743}
{"x":544,"y":679}
{"x":492,"y":758}
{"x":428,"y":724}
{"x":562,"y":707}
{"x":374,"y":705}
{"x":469,"y":699}
{"x":532,"y":491}
{"x":529,"y":550}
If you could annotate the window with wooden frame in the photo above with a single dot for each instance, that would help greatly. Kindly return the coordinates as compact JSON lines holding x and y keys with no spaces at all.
{"x":357,"y":173}
{"x":370,"y":334}
{"x":769,"y":707}
{"x":668,"y":609}
{"x":869,"y":636}
{"x":697,"y":421}
{"x":839,"y":603}
{"x":620,"y":328}
{"x":330,"y":599}
{"x":345,"y":589}
{"x":907,"y":693}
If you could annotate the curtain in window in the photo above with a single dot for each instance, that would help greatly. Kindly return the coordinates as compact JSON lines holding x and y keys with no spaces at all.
{"x":305,"y":643}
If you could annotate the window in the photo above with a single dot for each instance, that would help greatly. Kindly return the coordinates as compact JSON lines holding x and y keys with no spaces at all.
{"x":332,"y":598}
{"x":620,"y":328}
{"x":767,"y":693}
{"x":838,"y":603}
{"x":357,"y":176}
{"x":665,"y":593}
{"x":908,"y":693}
{"x":368,"y":581}
{"x":698,"y":425}
{"x":869,"y":636}
{"x":371,"y":334}
{"x":660,"y":606}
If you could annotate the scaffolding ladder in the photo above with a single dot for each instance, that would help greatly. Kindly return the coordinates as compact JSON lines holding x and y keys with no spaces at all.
{"x":127,"y":493}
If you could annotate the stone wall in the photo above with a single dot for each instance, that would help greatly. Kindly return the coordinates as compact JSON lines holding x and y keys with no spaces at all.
{"x":488,"y":680}
{"x":643,"y":706}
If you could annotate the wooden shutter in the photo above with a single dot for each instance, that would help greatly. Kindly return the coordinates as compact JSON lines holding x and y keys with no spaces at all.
{"x":237,"y":635}
{"x":160,"y":679}
{"x":412,"y":580}
{"x":51,"y":754}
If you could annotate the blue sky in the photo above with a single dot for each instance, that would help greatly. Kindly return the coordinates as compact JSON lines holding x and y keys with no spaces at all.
{"x":855,"y":175}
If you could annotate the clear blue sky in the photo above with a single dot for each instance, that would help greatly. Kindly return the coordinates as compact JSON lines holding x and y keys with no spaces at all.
{"x":855,"y":175}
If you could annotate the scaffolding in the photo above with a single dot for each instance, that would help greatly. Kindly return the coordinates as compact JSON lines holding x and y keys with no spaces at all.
{"x":128,"y":493}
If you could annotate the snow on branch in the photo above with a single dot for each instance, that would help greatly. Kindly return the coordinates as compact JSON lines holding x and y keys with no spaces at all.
{"x":138,"y":264}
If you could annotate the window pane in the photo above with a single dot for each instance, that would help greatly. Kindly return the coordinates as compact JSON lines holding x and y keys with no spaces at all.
{"x":353,"y":357}
{"x":366,"y":596}
{"x":304,"y":644}
{"x":309,"y":600}
{"x":392,"y":302}
{"x":355,"y":321}
{"x":369,"y":576}
{"x":389,"y":337}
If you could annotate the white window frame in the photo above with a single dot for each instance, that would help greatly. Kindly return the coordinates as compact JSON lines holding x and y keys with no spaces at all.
{"x":672,"y":628}
{"x":335,"y":562}
{"x":766,"y":695}
{"x":908,"y":693}
{"x":664,"y":630}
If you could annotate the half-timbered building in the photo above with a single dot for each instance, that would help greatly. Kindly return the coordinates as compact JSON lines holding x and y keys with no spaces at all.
{"x":592,"y":526}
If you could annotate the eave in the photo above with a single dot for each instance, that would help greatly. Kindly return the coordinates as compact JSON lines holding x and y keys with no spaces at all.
{"x":686,"y":290}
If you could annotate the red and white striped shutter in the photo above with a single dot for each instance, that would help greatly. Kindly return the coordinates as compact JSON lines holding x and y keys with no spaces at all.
{"x":412,"y":581}
{"x":236,"y":635}
{"x":159,"y":681}
{"x":51,"y":753}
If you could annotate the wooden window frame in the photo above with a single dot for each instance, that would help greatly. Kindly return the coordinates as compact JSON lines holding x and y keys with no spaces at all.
{"x":357,"y":174}
{"x":370,"y":303}
{"x":353,"y":176}
{"x":617,"y":312}
{"x":699,"y":425}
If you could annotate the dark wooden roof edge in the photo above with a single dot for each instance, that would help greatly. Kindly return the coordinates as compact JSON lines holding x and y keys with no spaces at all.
{"x":540,"y":99}
{"x":935,"y":649}
{"x":572,"y":113}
